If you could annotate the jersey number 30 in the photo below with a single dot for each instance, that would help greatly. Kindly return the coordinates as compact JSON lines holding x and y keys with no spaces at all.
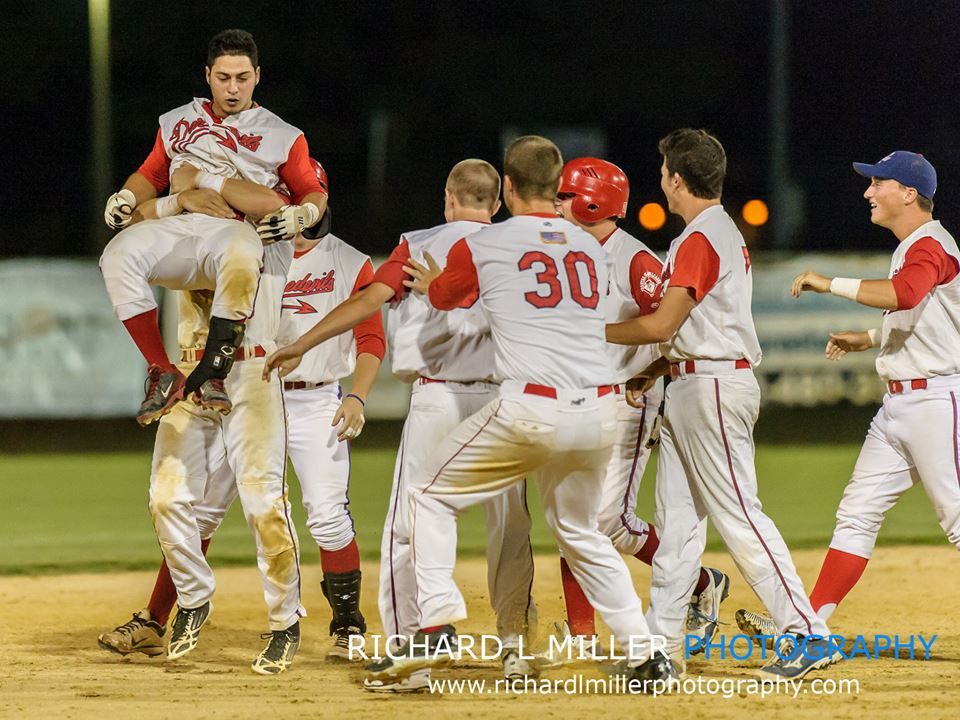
{"x":548,"y":277}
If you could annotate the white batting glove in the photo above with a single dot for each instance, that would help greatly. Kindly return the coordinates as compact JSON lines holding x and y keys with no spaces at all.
{"x":119,"y":210}
{"x":288,"y":221}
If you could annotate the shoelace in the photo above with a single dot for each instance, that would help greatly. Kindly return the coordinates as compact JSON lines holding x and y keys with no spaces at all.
{"x":134,"y":623}
{"x":181,"y":621}
{"x":153,"y":378}
{"x":278,"y":639}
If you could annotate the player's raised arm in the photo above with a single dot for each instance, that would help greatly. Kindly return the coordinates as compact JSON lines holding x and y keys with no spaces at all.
{"x":308,"y":186}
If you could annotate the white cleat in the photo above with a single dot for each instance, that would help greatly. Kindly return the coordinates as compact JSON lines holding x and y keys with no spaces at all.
{"x":418,"y":681}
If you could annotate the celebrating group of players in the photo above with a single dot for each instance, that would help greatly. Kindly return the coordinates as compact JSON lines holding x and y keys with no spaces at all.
{"x":535,"y":348}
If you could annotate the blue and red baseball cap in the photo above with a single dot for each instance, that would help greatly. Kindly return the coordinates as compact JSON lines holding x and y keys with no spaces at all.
{"x":907,"y":168}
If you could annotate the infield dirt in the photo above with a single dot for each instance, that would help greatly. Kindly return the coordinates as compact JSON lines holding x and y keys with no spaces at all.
{"x":53,"y":668}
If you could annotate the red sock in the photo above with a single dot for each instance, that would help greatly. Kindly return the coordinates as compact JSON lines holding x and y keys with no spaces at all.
{"x":343,"y":560}
{"x":145,"y":331}
{"x":579,"y":610}
{"x":165,"y":592}
{"x":840,"y":572}
{"x":645,"y":554}
{"x":702,"y":582}
{"x":432,"y":628}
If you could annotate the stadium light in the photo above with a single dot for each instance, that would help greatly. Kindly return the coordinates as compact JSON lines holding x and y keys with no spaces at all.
{"x":755,"y":213}
{"x":652,"y":216}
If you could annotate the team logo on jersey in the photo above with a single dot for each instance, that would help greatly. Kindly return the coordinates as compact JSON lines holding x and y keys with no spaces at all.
{"x":186,"y":134}
{"x":307,"y":285}
{"x":649,"y":282}
{"x":553,"y":238}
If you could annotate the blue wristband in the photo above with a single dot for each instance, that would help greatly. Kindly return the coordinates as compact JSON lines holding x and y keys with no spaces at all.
{"x":357,"y":398}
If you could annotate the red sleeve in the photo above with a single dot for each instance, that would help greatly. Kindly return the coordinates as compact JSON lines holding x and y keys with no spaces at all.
{"x":925,"y":266}
{"x":391,"y":272}
{"x":696,"y":266}
{"x":458,"y":284}
{"x":298,"y":174}
{"x":156,"y":168}
{"x":369,"y":333}
{"x":646,"y":277}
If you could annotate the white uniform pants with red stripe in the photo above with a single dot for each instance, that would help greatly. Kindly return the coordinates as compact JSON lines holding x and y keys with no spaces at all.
{"x":914,"y":438}
{"x":565,"y":443}
{"x":706,"y":469}
{"x":192,"y":446}
{"x":185,"y":252}
{"x":618,"y":500}
{"x":435,"y":410}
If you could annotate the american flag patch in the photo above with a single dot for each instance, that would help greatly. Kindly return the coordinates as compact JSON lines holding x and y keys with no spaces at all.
{"x":553,"y":238}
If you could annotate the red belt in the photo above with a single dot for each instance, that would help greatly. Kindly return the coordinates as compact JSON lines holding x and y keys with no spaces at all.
{"x":896,"y":386}
{"x":426,"y":380}
{"x":195,"y":354}
{"x":301,"y":385}
{"x":549,"y":392}
{"x":690,"y":366}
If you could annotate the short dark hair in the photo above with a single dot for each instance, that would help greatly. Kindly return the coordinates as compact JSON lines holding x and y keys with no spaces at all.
{"x":533,"y":165}
{"x":697,"y":157}
{"x":924,"y":203}
{"x":232,"y":42}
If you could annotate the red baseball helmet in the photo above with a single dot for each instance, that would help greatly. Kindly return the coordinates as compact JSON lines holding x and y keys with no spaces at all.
{"x":321,"y":175}
{"x":600,"y":187}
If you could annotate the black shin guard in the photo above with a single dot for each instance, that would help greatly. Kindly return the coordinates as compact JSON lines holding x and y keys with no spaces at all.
{"x":342,"y":591}
{"x":222,"y":343}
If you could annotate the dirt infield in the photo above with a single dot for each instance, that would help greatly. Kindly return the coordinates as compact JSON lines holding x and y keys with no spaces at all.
{"x":53,"y":668}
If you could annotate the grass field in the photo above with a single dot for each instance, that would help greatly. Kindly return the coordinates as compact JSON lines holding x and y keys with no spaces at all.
{"x":88,"y":512}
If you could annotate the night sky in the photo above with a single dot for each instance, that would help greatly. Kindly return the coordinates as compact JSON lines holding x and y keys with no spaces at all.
{"x":866,"y":78}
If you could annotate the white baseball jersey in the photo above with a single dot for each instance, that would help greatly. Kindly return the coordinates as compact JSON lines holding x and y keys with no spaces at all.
{"x":711,"y":259}
{"x":320,"y":279}
{"x":539,"y":278}
{"x":923,"y":341}
{"x":426,"y":342}
{"x":635,"y":279}
{"x":253,"y":145}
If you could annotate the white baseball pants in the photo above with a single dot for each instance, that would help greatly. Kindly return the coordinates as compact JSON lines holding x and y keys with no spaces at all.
{"x":913,"y":438}
{"x":192,"y":445}
{"x":566,"y":443}
{"x":435,"y":410}
{"x":185,"y":252}
{"x":706,"y":469}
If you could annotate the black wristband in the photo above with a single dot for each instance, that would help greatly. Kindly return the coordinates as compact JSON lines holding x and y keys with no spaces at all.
{"x":355,"y":397}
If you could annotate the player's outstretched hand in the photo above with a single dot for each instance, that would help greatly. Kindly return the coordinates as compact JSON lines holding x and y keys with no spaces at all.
{"x":842,"y":343}
{"x":349,"y":417}
{"x":810,"y":281}
{"x":287,"y":222}
{"x":206,"y":202}
{"x":119,"y":210}
{"x":421,"y":275}
{"x":284,"y":360}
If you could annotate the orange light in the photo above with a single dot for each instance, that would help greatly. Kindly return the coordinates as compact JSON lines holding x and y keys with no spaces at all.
{"x":755,"y":213}
{"x":652,"y":216}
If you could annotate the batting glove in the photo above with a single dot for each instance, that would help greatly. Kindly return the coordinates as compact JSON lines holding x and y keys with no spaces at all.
{"x":287,"y":222}
{"x":119,"y":210}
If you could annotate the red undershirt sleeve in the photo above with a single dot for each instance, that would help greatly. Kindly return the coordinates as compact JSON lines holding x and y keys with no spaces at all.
{"x":297,"y":172}
{"x":369,"y":333}
{"x":458,"y":284}
{"x":646,"y":277}
{"x":391,"y":272}
{"x":925,"y":266}
{"x":156,"y":168}
{"x":696,"y":266}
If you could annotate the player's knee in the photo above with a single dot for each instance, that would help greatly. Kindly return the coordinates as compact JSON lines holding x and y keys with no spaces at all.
{"x":207,"y":524}
{"x":331,"y":533}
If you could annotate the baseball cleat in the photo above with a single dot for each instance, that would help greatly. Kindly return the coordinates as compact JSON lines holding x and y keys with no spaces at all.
{"x":140,"y":634}
{"x":703,"y":614}
{"x":659,"y":668}
{"x":564,"y":648}
{"x":185,"y":630}
{"x":518,"y":668}
{"x":279,"y":652}
{"x":212,"y":395}
{"x":424,"y":650}
{"x":340,"y":650}
{"x":761,"y":629}
{"x":418,"y":681}
{"x":162,"y":389}
{"x":814,"y":654}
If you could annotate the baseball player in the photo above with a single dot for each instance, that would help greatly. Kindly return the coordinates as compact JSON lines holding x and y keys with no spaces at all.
{"x":593,"y":194}
{"x":540,"y":281}
{"x":229,"y":138}
{"x":448,"y":356}
{"x":318,"y":426}
{"x":706,"y":465}
{"x":914,"y":436}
